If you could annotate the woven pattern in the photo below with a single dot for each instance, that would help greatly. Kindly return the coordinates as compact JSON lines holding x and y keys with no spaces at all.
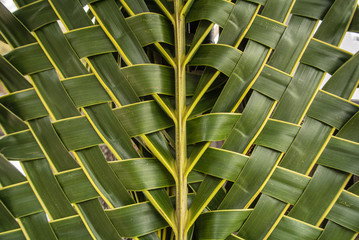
{"x":290,"y":151}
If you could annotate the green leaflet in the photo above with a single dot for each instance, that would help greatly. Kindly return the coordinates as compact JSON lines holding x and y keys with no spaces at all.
{"x":251,"y":178}
{"x":291,"y":44}
{"x":10,"y":123}
{"x":124,"y":39}
{"x":25,"y":104}
{"x":47,"y":187}
{"x":76,"y":186}
{"x":89,"y":41}
{"x":289,"y":227}
{"x":146,"y":221}
{"x":219,"y":224}
{"x":36,"y":226}
{"x":105,"y":123}
{"x":239,"y":79}
{"x":147,"y":79}
{"x":72,"y":66}
{"x":56,"y":100}
{"x":92,"y":160}
{"x":71,"y":227}
{"x":347,"y":154}
{"x":252,"y":119}
{"x":56,"y":152}
{"x":20,"y":146}
{"x":325,"y":183}
{"x":336,"y":231}
{"x":313,"y":9}
{"x":221,"y":124}
{"x":14,"y":30}
{"x":22,"y":200}
{"x":7,"y":220}
{"x":82,"y":97}
{"x":286,"y":185}
{"x":9,"y":174}
{"x":214,"y":11}
{"x":342,"y":13}
{"x":265,"y":31}
{"x":36,"y":15}
{"x":271,"y":83}
{"x":29,"y":59}
{"x":11,"y":78}
{"x":100,"y":224}
{"x":13,"y":234}
{"x":262,"y":218}
{"x":214,"y":162}
{"x":208,"y":55}
{"x":298,"y":160}
{"x":345,"y":211}
{"x":150,"y":28}
{"x":324,"y":56}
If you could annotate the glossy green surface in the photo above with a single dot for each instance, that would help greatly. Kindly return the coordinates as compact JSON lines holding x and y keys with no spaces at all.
{"x":103,"y":177}
{"x":70,"y":228}
{"x":271,"y":83}
{"x":105,"y":123}
{"x":293,"y":229}
{"x":76,"y":133}
{"x":9,"y":173}
{"x":46,"y":186}
{"x":98,"y":222}
{"x":51,"y":36}
{"x":76,"y":186}
{"x":208,"y":55}
{"x":243,"y":76}
{"x":143,"y":220}
{"x":263,"y":217}
{"x":11,"y":78}
{"x":90,"y":41}
{"x":346,"y":211}
{"x":25,"y":104}
{"x":57,"y":100}
{"x":324,"y":57}
{"x":51,"y":144}
{"x":251,"y":178}
{"x":150,"y":28}
{"x":215,"y":162}
{"x":291,"y":44}
{"x":265,"y":31}
{"x":277,"y":135}
{"x":20,"y":146}
{"x":214,"y":11}
{"x":36,"y":15}
{"x":219,"y":224}
{"x":345,"y":110}
{"x":286,"y":185}
{"x":319,"y":194}
{"x":341,"y":155}
{"x":313,"y":9}
{"x":36,"y":226}
{"x":155,"y":119}
{"x":113,"y":21}
{"x":336,"y":21}
{"x":253,"y":117}
{"x":82,"y":96}
{"x":147,"y":79}
{"x":29,"y":59}
{"x":21,"y":200}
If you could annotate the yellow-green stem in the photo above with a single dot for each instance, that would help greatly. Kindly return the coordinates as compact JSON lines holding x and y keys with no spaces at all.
{"x":181,"y":144}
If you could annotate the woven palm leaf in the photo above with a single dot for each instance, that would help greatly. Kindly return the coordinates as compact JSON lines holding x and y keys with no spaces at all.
{"x":214,"y":137}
